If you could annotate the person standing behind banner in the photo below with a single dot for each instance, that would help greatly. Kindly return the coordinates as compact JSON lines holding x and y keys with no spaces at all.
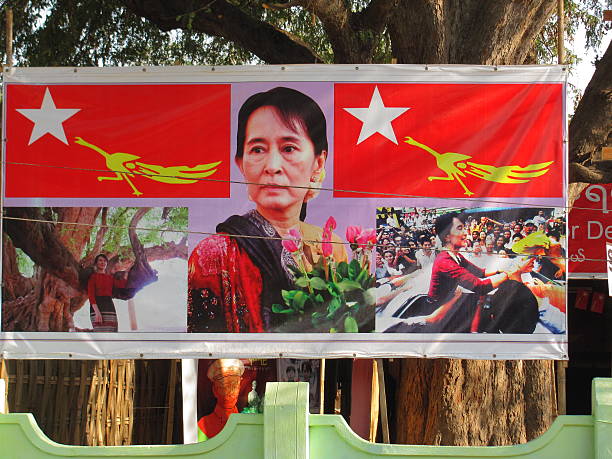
{"x":425,"y":256}
{"x":281,"y":150}
{"x":100,"y":291}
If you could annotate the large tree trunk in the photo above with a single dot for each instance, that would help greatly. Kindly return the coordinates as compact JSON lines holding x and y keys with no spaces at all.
{"x":591,"y":129}
{"x":48,"y":300}
{"x":472,"y":402}
{"x":55,"y":293}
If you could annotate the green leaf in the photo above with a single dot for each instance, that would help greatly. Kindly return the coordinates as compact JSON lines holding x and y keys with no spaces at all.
{"x":317,"y":272}
{"x":302,"y":281}
{"x":318,"y":283}
{"x":318,"y":298}
{"x":342,"y":268}
{"x":354,"y":269}
{"x":350,"y":325}
{"x":332,"y":307}
{"x":347,"y":285}
{"x":281,"y":309}
{"x":318,"y":315}
{"x":298,"y":301}
{"x":288,"y":296}
{"x":362,"y":278}
{"x":333,"y":289}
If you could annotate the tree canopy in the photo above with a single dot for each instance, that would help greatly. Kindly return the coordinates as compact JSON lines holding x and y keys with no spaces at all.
{"x":514,"y":397}
{"x":218,"y":32}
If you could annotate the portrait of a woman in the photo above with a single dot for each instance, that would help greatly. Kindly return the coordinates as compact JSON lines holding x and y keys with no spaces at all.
{"x":100,"y":291}
{"x":281,"y":149}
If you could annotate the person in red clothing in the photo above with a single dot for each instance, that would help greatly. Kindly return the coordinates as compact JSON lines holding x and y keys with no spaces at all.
{"x":100,"y":291}
{"x":281,"y":149}
{"x":451,"y":270}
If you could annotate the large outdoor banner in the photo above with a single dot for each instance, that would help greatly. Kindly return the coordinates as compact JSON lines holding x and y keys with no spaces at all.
{"x":307,"y":211}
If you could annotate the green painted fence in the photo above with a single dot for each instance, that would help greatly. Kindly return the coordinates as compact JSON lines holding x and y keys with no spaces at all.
{"x":287,"y":431}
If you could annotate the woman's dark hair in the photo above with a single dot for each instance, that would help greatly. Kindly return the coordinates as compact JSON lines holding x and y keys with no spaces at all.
{"x":444,"y":223}
{"x":100,"y":255}
{"x":295,"y":110}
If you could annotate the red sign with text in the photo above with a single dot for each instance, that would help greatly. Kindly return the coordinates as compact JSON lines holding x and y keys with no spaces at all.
{"x":590,"y":227}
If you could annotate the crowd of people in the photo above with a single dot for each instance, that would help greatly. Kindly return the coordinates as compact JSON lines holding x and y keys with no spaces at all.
{"x":475,"y":270}
{"x":407,"y":239}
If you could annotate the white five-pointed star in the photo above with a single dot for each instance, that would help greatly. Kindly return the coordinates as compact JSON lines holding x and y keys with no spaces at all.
{"x":377,"y":118}
{"x":48,"y":119}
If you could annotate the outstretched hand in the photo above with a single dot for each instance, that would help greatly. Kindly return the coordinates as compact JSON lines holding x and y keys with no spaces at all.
{"x":522,"y":267}
{"x":98,"y":317}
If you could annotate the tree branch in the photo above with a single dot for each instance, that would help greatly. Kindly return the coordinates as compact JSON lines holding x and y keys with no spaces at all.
{"x":590,"y":128}
{"x":580,"y":173}
{"x":88,"y":259}
{"x":466,"y":32}
{"x":375,"y":16}
{"x":167,"y":251}
{"x":41,"y":242}
{"x":353,"y":36}
{"x":220,"y":18}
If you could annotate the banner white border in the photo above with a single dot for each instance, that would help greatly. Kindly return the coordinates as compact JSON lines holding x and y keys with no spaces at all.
{"x":405,"y":73}
{"x":279,"y":345}
{"x":170,"y":346}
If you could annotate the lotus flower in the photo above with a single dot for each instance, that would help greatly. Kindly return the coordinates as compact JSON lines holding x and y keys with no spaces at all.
{"x":293,"y":241}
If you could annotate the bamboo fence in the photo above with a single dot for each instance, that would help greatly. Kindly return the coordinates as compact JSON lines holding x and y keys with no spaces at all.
{"x":103,"y":402}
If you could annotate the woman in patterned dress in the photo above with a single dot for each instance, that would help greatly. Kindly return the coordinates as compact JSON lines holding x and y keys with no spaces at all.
{"x":281,"y":152}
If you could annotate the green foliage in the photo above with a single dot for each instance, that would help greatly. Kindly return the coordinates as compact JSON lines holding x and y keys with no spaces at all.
{"x":104,"y":32}
{"x":335,"y":302}
{"x":587,"y":13}
{"x":24,"y":263}
{"x":160,"y":227}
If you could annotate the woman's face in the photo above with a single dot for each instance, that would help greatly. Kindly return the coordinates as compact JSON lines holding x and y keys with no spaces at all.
{"x":456,"y":236}
{"x":101,"y":264}
{"x":277,"y":154}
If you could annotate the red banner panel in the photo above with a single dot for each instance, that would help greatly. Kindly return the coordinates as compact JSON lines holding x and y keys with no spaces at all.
{"x":589,"y":227}
{"x":111,"y":141}
{"x":449,"y":140}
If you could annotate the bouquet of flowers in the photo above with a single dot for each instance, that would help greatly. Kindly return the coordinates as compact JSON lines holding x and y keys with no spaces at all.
{"x":337,"y":297}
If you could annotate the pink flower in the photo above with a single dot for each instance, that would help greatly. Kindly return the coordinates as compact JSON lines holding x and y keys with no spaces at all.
{"x":326,"y":245}
{"x":353,"y":233}
{"x":292,"y":242}
{"x":367,"y":236}
{"x":330,"y":225}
